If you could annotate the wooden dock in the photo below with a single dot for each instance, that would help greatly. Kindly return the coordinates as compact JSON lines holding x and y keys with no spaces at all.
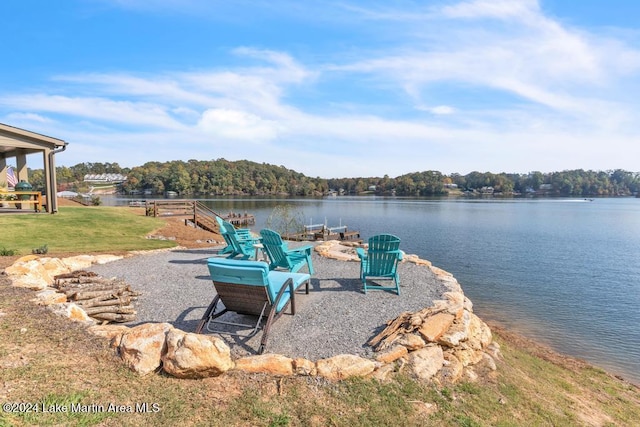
{"x":200,"y":214}
{"x":320,"y":232}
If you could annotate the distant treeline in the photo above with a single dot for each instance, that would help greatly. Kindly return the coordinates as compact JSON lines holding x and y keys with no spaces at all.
{"x":223,"y":178}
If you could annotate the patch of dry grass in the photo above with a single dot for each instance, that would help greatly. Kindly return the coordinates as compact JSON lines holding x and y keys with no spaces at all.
{"x":50,"y":360}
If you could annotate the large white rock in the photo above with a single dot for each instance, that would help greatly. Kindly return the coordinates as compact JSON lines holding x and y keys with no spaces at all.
{"x":479,"y":333}
{"x":303,"y":366}
{"x":111,"y":332}
{"x":426,"y":362}
{"x":81,"y":262}
{"x":38,"y":273}
{"x":34,"y":273}
{"x":452,"y":370}
{"x":49,"y":296}
{"x":141,"y":347}
{"x":191,"y":355}
{"x":344,"y":366}
{"x":71,"y":311}
{"x":458,"y":332}
{"x":274,"y":364}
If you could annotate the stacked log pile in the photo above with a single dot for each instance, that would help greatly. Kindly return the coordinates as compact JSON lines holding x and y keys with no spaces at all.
{"x":104,"y":300}
{"x":406,"y":323}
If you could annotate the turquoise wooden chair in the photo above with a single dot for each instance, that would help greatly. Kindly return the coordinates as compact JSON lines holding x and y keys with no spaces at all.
{"x":281,"y":256}
{"x":381,"y":262}
{"x":239,"y":241}
{"x":250,"y":288}
{"x":223,"y":232}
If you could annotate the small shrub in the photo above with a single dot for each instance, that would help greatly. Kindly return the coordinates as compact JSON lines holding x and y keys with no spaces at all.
{"x":8,"y":252}
{"x":96,"y":201}
{"x":285,"y":219}
{"x":41,"y":250}
{"x":7,"y":196}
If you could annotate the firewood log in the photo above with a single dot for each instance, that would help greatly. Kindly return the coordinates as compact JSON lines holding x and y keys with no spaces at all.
{"x":121,"y":309}
{"x":115,"y":317}
{"x":95,"y":294}
{"x":104,"y":301}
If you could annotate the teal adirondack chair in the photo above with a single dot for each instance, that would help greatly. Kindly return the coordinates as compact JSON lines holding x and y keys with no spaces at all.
{"x":223,"y":232}
{"x":281,"y":256}
{"x":239,"y":240}
{"x":381,"y":261}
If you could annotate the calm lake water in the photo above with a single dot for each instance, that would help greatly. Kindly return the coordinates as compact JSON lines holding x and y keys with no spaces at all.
{"x":564,"y":272}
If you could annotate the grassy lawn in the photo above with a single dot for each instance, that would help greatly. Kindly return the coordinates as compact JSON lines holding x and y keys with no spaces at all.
{"x":80,"y":229}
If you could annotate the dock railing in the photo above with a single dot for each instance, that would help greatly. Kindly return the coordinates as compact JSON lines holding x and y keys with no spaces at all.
{"x":196,"y":211}
{"x":315,"y":232}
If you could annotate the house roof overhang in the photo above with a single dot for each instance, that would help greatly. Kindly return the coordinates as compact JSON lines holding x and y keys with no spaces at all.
{"x":14,"y":141}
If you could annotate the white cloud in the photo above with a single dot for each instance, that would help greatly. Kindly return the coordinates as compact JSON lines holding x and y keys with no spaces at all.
{"x":102,"y":109}
{"x":523,"y":86}
{"x":500,"y":9}
{"x":534,"y":61}
{"x":286,"y":68}
{"x":27,"y":118}
{"x":237,"y":125}
{"x":441,"y":110}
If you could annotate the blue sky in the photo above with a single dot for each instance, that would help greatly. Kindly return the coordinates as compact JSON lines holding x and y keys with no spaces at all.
{"x":330,"y":89}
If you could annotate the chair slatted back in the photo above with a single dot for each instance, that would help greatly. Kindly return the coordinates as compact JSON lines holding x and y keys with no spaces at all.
{"x":223,"y":231}
{"x":382,"y":255}
{"x":276,"y":248}
{"x":239,"y":242}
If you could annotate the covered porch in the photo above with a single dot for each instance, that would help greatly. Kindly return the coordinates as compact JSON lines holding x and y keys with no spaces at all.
{"x":19,"y":143}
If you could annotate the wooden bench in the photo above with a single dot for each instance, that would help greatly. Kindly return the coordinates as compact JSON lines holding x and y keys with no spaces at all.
{"x":35,"y":199}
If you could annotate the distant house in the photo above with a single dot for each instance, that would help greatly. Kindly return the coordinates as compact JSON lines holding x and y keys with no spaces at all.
{"x":67,"y":194}
{"x":451,"y":186}
{"x":372,"y":188}
{"x":486,"y":190}
{"x":113,"y":178}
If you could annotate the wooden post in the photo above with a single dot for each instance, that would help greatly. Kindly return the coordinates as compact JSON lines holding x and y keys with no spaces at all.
{"x":195,"y":213}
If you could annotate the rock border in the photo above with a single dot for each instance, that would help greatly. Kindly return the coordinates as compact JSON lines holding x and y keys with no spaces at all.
{"x":443,"y":343}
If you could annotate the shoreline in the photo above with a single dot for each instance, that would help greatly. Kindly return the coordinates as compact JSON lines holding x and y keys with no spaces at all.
{"x":516,"y":333}
{"x":540,"y":349}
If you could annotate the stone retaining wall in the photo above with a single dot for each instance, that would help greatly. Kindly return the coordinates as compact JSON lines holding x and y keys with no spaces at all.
{"x":443,"y":343}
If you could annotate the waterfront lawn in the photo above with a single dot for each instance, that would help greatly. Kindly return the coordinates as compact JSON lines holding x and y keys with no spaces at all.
{"x":51,"y":362}
{"x":77,"y":378}
{"x":80,"y":229}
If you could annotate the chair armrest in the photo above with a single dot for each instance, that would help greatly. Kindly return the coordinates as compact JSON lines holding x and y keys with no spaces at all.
{"x":249,"y":238}
{"x":300,"y":250}
{"x":245,"y":234}
{"x":288,"y":284}
{"x":361,"y":253}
